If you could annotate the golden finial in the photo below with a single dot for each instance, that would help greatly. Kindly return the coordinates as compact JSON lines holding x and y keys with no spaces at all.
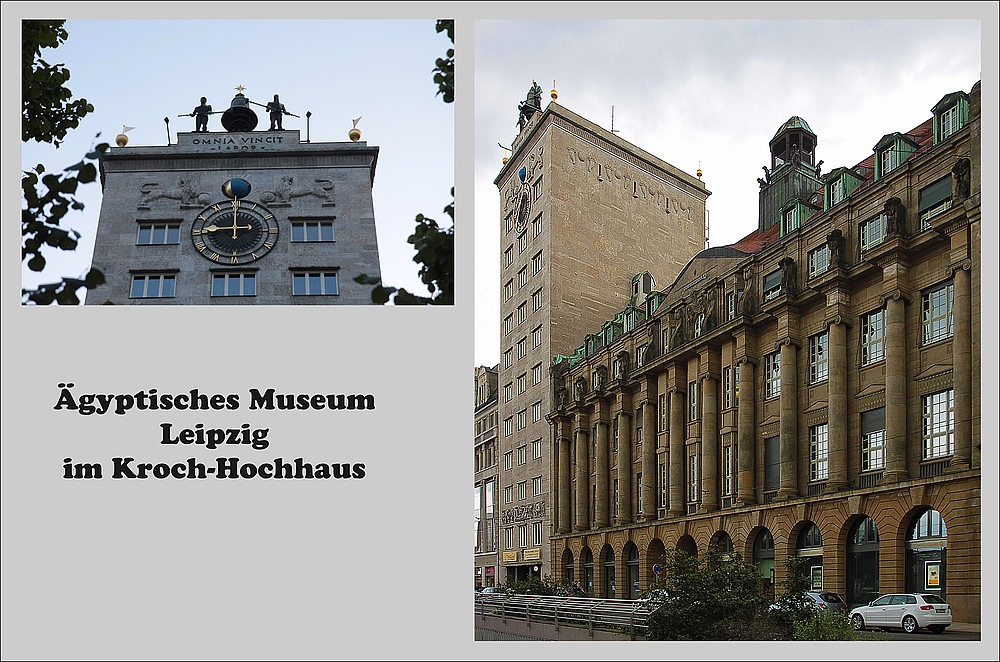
{"x":698,"y":172}
{"x":240,"y":88}
{"x":553,"y":93}
{"x":121,"y":139}
{"x":355,"y":133}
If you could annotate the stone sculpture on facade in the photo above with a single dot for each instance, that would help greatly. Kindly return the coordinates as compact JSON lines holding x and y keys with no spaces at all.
{"x":187,"y":192}
{"x":895,"y":217}
{"x":789,"y":283}
{"x":286,"y":190}
{"x":835,"y":245}
{"x":961,"y":186}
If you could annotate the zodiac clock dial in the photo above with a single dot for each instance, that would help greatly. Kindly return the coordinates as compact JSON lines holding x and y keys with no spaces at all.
{"x":234,"y":232}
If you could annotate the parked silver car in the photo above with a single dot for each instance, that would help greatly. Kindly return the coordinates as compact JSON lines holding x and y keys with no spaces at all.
{"x":909,"y":611}
{"x":819,"y":600}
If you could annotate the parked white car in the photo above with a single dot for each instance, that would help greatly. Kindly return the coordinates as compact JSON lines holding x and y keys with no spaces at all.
{"x":909,"y":611}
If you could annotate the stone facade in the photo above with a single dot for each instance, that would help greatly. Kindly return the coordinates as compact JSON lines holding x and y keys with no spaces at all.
{"x":581,"y":211}
{"x":149,"y":191}
{"x":811,"y":390}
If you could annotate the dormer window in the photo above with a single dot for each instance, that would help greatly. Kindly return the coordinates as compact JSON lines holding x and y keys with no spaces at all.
{"x":629,"y":321}
{"x":891,"y":152}
{"x":836,"y":192}
{"x":951,"y":114}
{"x":789,"y":219}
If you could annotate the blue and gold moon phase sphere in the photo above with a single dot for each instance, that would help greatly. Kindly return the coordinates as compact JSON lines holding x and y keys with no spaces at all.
{"x":236,"y":188}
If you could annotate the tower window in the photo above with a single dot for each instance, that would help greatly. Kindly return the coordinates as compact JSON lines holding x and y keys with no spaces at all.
{"x":234,"y":285}
{"x":312,"y":231}
{"x":152,"y":286}
{"x":314,"y":283}
{"x":151,"y":234}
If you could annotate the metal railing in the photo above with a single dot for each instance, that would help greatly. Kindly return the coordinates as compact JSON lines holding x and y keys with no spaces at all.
{"x":627,"y":617}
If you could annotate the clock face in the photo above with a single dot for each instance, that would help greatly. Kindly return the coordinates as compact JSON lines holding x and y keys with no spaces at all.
{"x":234,"y":232}
{"x":523,"y":207}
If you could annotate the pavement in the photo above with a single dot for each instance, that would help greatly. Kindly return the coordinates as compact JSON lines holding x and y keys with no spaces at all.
{"x":966,"y":627}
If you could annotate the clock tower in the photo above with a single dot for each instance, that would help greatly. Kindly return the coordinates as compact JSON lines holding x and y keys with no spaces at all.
{"x":235,"y":216}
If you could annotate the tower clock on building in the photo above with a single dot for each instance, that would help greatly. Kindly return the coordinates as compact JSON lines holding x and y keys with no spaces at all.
{"x":271,"y":219}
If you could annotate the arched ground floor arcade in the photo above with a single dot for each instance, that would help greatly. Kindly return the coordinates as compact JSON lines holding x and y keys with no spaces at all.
{"x":914,"y":536}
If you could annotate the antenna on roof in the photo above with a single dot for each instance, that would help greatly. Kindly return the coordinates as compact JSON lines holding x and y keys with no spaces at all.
{"x":613,"y":130}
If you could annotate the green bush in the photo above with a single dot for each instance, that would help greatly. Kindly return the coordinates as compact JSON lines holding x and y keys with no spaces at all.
{"x":825,"y":625}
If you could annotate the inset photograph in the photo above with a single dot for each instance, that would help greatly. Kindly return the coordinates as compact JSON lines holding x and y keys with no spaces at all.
{"x":237,"y":162}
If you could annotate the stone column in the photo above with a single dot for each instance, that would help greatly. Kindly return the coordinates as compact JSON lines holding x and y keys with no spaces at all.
{"x":962,"y":368}
{"x":788,"y":426}
{"x":648,"y":487}
{"x":603,"y":470}
{"x":582,"y":522}
{"x":565,"y":509}
{"x":624,"y":468}
{"x":746,"y":436}
{"x":709,"y":444}
{"x":895,"y":388}
{"x":677,"y":457}
{"x":837,"y":408}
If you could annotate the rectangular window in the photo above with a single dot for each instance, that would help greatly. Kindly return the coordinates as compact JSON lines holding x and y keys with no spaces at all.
{"x":819,"y":452}
{"x":536,"y":337}
{"x":522,"y":535}
{"x":522,"y":347}
{"x":640,"y":356}
{"x":508,"y":223}
{"x":508,"y":324}
{"x":934,"y":199}
{"x":508,"y":457}
{"x":731,"y":305}
{"x":536,"y":486}
{"x":312,"y":231}
{"x":939,"y":424}
{"x":234,"y":285}
{"x":638,"y":492}
{"x":819,"y":260}
{"x":508,"y":426}
{"x":536,"y":300}
{"x":152,"y":286}
{"x":836,"y":191}
{"x":522,"y":312}
{"x":888,"y":160}
{"x":693,"y":400}
{"x":663,"y":412}
{"x":727,"y":470}
{"x":154,"y":234}
{"x":508,"y":392}
{"x":536,"y":189}
{"x":772,"y":464}
{"x":873,"y":337}
{"x":522,"y":241}
{"x":508,"y":290}
{"x":736,"y":386}
{"x":938,"y":313}
{"x":772,"y":375}
{"x":522,"y":490}
{"x":638,"y":425}
{"x":522,"y":383}
{"x":522,"y":421}
{"x":536,"y":412}
{"x":508,"y":537}
{"x":522,"y":455}
{"x":536,"y":374}
{"x":536,"y":533}
{"x":616,"y":496}
{"x":536,"y":226}
{"x":508,"y":256}
{"x":508,"y":358}
{"x":949,"y":122}
{"x":727,"y":384}
{"x":614,"y":433}
{"x":819,"y":357}
{"x":314,"y":283}
{"x":663,"y":485}
{"x":873,"y":439}
{"x":772,"y":285}
{"x":692,"y":478}
{"x":873,"y":232}
{"x":522,"y":277}
{"x":536,"y":263}
{"x":536,"y":449}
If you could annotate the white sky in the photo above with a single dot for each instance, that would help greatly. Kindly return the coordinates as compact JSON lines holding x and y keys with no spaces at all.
{"x":711,"y":93}
{"x":138,"y":72}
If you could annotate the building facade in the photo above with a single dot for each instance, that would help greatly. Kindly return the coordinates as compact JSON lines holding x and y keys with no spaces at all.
{"x":580,"y":207}
{"x":812,"y":390}
{"x":169,"y":234}
{"x":486,"y":511}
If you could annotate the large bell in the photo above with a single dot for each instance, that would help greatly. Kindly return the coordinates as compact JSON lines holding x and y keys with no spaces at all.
{"x":239,"y":118}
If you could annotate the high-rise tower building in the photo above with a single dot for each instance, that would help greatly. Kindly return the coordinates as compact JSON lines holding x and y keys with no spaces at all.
{"x":582,"y":212}
{"x":237,"y":216}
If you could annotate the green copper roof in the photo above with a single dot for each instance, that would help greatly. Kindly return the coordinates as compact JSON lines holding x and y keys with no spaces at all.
{"x":794,"y":122}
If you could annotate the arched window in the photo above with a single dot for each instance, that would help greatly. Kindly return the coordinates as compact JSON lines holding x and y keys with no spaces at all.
{"x":763,"y":557}
{"x":862,"y":562}
{"x":632,"y":568}
{"x":609,"y":573}
{"x":927,"y":554}
{"x":809,"y":547}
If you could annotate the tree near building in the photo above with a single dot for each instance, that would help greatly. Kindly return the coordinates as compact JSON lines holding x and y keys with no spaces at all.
{"x":434,"y":244}
{"x":48,"y":113}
